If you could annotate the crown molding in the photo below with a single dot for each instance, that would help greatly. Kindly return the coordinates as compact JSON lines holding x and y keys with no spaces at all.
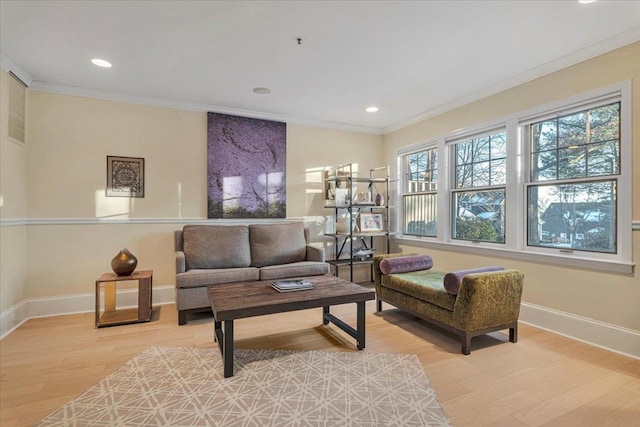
{"x":592,"y":51}
{"x":8,"y":65}
{"x":41,"y":86}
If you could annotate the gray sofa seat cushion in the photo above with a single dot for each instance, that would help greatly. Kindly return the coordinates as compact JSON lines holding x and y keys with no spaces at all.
{"x":216,"y":246}
{"x":273,"y":244}
{"x":296,"y":269}
{"x":203,"y":277}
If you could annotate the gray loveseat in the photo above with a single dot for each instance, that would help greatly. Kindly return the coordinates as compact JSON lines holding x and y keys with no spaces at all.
{"x":211,"y":254}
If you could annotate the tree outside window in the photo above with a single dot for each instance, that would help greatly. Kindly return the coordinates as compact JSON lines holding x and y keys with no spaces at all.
{"x":479,"y":195}
{"x":572,"y":197}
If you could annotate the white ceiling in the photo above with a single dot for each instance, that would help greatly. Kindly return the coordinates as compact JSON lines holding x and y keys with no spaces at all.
{"x":409,"y":58}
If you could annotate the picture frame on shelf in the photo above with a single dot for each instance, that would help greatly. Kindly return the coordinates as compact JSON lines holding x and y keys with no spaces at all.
{"x":371,"y":222}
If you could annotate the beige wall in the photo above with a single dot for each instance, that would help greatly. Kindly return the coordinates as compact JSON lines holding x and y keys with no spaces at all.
{"x":309,"y":149}
{"x":13,"y":190}
{"x":610,"y":298}
{"x":69,"y":139}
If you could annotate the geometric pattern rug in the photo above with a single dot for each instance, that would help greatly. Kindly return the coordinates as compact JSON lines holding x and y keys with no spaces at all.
{"x":181,"y":386}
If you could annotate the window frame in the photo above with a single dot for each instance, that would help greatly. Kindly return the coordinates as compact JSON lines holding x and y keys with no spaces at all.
{"x":518,"y":178}
{"x":403,"y":172}
{"x":454,"y":189}
{"x":622,"y":179}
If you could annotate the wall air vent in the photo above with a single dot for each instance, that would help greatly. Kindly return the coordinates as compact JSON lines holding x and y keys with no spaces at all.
{"x":17,"y":97}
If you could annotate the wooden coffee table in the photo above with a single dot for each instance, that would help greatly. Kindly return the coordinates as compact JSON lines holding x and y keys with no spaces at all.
{"x":230,"y":301}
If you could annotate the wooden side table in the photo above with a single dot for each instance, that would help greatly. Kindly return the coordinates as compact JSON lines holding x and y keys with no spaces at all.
{"x":113,"y":316}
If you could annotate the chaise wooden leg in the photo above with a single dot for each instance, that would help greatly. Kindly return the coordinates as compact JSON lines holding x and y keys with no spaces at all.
{"x":182,"y":317}
{"x":513,"y":333}
{"x":466,"y":343}
{"x":378,"y":305}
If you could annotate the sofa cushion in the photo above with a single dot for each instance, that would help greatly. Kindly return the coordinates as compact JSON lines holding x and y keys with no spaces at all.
{"x":425,"y":285}
{"x":453,"y":280}
{"x":405,"y":264}
{"x":204,"y":277}
{"x":295,"y":269}
{"x":273,"y":244}
{"x":216,"y":246}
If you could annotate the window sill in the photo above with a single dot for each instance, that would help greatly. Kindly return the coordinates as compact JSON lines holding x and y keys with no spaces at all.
{"x":561,"y":259}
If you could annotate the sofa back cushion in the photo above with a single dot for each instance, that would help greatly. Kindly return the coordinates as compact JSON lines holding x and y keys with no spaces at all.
{"x":216,"y":246}
{"x":273,"y":244}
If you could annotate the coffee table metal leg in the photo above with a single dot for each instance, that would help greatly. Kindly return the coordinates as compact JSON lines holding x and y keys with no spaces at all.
{"x":357,"y":333}
{"x":217,"y":333}
{"x":325,"y":311}
{"x":227,"y":349}
{"x":360,"y":325}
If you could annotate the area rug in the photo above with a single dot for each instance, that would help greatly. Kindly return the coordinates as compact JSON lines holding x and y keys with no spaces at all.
{"x":178,"y":386}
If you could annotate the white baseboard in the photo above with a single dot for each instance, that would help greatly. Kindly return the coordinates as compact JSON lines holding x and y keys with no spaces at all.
{"x":72,"y":304}
{"x":600,"y":334}
{"x":13,"y":317}
{"x":604,"y":335}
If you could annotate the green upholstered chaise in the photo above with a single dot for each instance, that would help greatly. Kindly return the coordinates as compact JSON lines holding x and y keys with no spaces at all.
{"x":485,"y":302}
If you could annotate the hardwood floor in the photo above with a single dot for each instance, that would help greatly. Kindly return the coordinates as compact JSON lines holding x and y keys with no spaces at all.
{"x":543,"y":380}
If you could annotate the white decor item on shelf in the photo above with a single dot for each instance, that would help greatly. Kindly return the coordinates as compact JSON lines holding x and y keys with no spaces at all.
{"x":342,"y":196}
{"x":342,"y":224}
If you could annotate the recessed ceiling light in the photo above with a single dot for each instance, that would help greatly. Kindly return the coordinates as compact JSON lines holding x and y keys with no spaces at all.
{"x":586,"y":1}
{"x":372,"y":109}
{"x":101,"y":63}
{"x":262,"y":90}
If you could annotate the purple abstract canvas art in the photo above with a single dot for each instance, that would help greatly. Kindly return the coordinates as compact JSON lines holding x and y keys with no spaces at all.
{"x":246,"y":167}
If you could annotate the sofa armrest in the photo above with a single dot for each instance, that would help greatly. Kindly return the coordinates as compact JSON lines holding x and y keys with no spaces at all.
{"x":181,"y":262}
{"x":377,"y":259}
{"x":315,"y":254}
{"x":488,"y":299}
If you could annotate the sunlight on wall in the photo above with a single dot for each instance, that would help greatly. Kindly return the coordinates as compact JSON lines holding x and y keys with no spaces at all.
{"x":109,"y":207}
{"x":315,"y":189}
{"x":315,"y":175}
{"x":180,"y":200}
{"x":314,"y":180}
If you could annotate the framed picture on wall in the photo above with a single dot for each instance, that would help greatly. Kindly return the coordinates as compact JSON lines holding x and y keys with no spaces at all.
{"x":125,"y":176}
{"x":371,"y":222}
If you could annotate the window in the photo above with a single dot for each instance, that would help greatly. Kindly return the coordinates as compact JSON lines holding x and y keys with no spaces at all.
{"x":572,"y":195}
{"x":552,"y":184}
{"x":478,"y":197}
{"x":419,"y":198}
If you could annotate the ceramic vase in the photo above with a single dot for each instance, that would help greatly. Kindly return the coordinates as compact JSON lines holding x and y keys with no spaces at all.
{"x":124,"y":263}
